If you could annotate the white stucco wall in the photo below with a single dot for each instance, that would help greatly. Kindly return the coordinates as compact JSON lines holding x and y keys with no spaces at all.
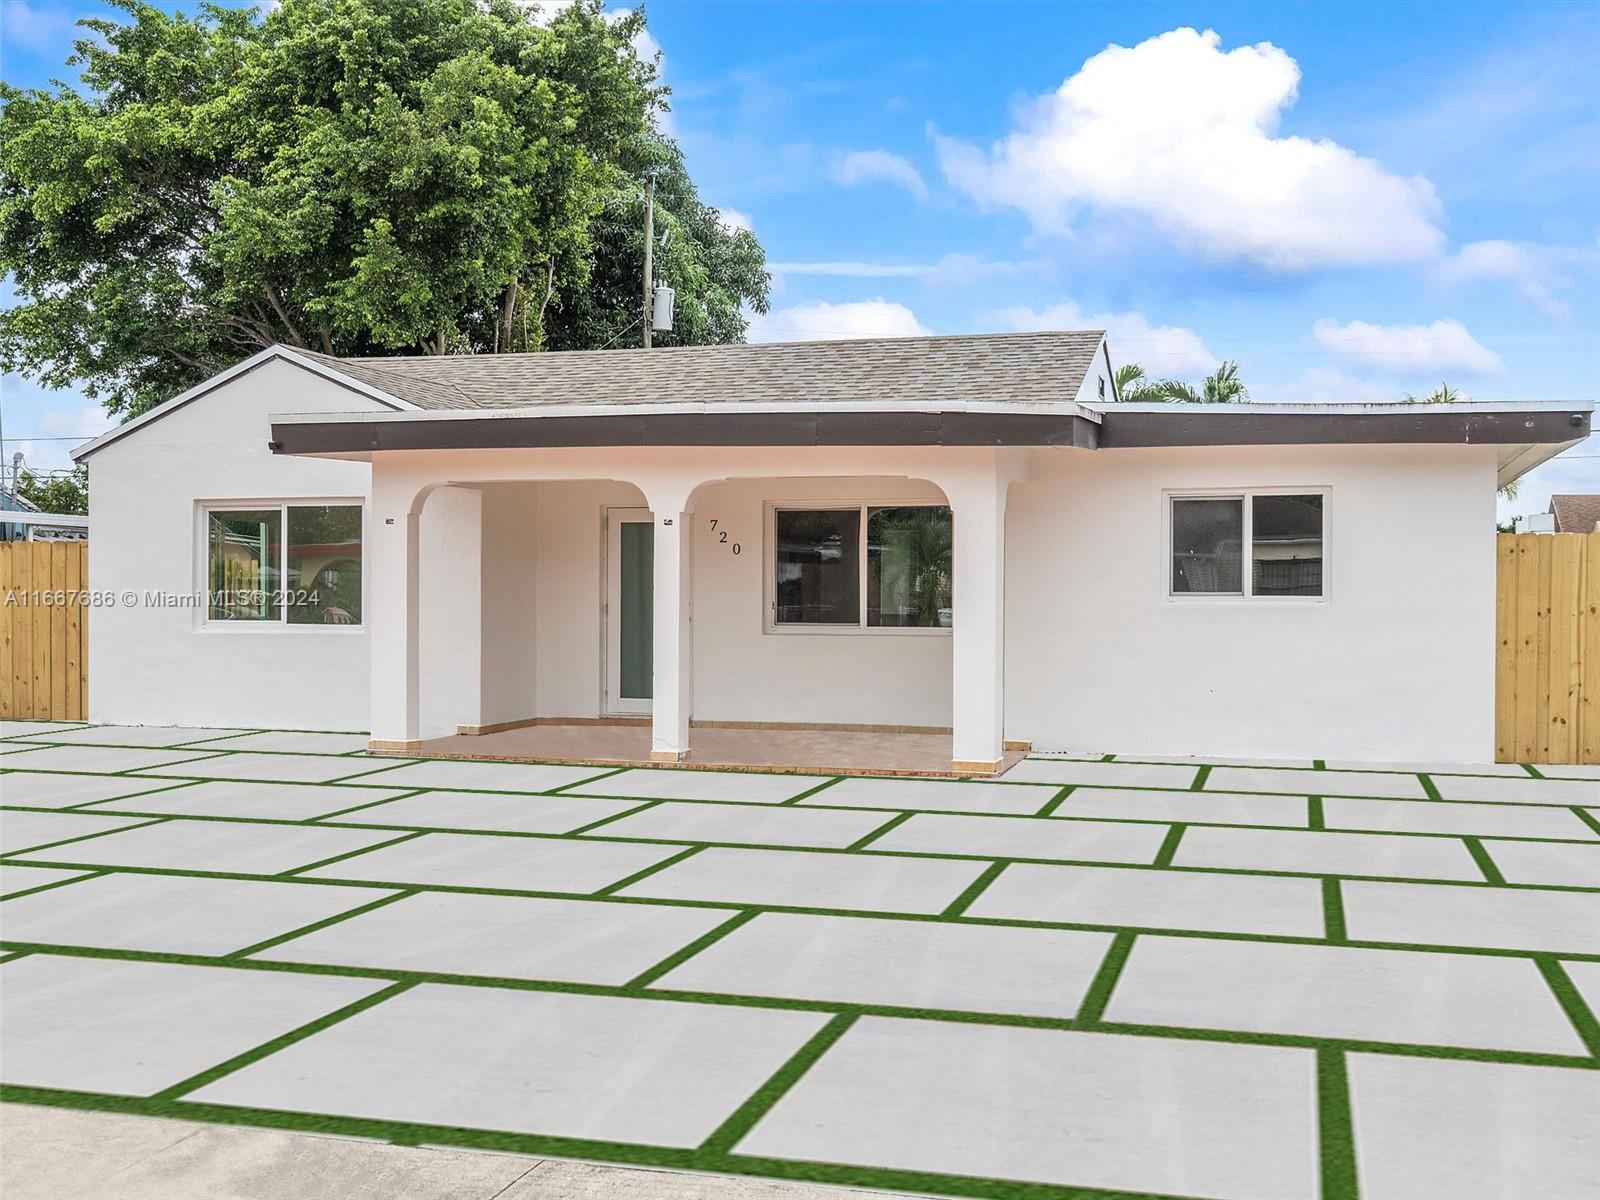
{"x":150,"y":665}
{"x":744,"y":673}
{"x":1397,"y":664}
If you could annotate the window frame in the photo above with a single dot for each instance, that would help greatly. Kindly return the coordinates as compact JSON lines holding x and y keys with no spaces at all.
{"x":205,"y":623}
{"x":1246,"y":497}
{"x":769,"y":568}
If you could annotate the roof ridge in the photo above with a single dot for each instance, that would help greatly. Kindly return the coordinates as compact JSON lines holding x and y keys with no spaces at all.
{"x":923,"y":338}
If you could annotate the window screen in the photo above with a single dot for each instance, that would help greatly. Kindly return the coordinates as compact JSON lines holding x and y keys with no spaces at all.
{"x":1207,"y":541}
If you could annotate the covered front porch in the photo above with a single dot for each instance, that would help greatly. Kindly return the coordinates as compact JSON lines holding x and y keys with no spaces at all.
{"x":714,"y":607}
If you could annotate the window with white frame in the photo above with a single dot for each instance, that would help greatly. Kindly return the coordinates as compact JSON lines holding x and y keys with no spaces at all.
{"x":1251,"y":543}
{"x":293,"y":564}
{"x":860,"y":566}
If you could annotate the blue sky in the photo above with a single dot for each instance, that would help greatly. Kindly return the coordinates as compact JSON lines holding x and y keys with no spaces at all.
{"x":1355,"y":202}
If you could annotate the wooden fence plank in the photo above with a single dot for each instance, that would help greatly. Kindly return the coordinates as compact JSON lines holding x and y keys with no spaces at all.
{"x":73,"y":709}
{"x":1505,"y":648}
{"x":8,"y":599}
{"x":1565,"y":570}
{"x":1589,"y":654}
{"x":22,"y":622}
{"x":1547,"y":648}
{"x":42,"y":659}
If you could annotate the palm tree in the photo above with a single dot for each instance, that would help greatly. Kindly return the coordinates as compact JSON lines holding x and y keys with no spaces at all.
{"x":1222,"y":386}
{"x":1443,"y":394}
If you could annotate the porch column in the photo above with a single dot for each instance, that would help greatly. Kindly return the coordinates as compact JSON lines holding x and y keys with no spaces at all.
{"x":978,"y":511}
{"x":672,"y":682}
{"x":392,"y":616}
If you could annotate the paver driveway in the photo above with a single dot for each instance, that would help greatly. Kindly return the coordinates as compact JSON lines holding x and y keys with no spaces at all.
{"x":1094,"y":978}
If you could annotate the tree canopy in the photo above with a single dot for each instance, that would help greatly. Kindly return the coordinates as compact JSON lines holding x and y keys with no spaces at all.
{"x":351,"y":176}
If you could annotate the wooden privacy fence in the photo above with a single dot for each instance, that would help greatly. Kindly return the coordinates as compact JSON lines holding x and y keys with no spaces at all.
{"x":1547,"y":648}
{"x":44,"y":629}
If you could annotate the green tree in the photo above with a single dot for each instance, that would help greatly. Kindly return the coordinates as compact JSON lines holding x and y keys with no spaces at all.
{"x":717,"y":271}
{"x":1222,"y":386}
{"x":352,"y":176}
{"x":67,"y":492}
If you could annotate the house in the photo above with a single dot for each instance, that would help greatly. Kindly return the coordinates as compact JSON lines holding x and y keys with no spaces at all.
{"x":1575,"y":513}
{"x":964,"y":537}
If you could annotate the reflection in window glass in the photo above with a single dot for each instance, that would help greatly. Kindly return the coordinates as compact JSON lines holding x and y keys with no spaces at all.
{"x":908,"y":566}
{"x":1286,"y":545}
{"x":816,"y":566}
{"x":242,"y":567}
{"x":1206,"y":546}
{"x":323,"y":581}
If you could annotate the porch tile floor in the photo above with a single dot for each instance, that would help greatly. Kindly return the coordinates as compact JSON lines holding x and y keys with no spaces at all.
{"x":820,"y":751}
{"x":1188,"y":978}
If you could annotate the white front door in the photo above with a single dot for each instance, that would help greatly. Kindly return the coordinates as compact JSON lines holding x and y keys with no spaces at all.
{"x":629,"y":609}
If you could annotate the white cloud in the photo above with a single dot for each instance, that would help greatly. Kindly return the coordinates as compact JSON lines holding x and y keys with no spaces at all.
{"x":1330,"y":385}
{"x":1441,"y":346}
{"x":735,"y":221}
{"x":1532,"y":269}
{"x":1185,"y":135}
{"x":817,"y":321}
{"x":1159,"y":349}
{"x":37,"y":27}
{"x":869,"y":166}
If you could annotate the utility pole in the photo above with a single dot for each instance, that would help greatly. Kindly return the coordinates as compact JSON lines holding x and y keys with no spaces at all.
{"x":649,"y":247}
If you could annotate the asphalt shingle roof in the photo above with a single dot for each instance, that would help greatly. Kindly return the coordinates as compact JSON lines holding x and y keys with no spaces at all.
{"x":1576,"y":512}
{"x":1012,"y":368}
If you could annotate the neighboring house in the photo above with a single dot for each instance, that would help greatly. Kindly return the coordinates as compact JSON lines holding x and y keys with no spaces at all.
{"x":22,"y":521}
{"x":965,"y":533}
{"x":1576,"y":513}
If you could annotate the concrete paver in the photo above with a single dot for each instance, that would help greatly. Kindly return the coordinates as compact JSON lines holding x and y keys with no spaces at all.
{"x":1118,"y":774}
{"x":1342,"y":992}
{"x":472,"y":776}
{"x":935,"y":795}
{"x":281,"y":768}
{"x":1226,"y":808}
{"x":498,"y":813}
{"x":656,"y":1072}
{"x":248,"y":798}
{"x":516,"y":937}
{"x":648,"y":1018}
{"x":176,"y":844}
{"x":20,"y":830}
{"x":1327,"y":853}
{"x":1495,"y":820}
{"x":1316,"y":783}
{"x":174,"y":914}
{"x":1154,"y":899}
{"x":1520,"y":791}
{"x":909,"y":964}
{"x":832,"y":829}
{"x":1499,"y":918}
{"x":739,"y":786}
{"x":1564,"y":864}
{"x":794,"y":879}
{"x":28,"y":789}
{"x":158,"y":736}
{"x":1436,"y":1129}
{"x":133,"y":1028}
{"x":511,"y":863}
{"x":1086,"y":1109}
{"x":1025,"y":837}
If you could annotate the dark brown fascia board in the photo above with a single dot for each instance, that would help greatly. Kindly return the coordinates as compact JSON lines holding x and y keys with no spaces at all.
{"x":893,"y":428}
{"x":1124,"y":430}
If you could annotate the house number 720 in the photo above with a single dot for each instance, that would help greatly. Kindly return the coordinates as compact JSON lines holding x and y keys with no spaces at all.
{"x":722,"y":537}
